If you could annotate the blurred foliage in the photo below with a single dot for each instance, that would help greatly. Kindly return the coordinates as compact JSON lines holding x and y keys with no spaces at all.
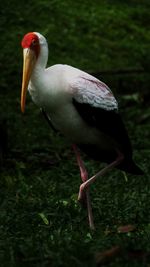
{"x":95,"y":35}
{"x":41,"y":222}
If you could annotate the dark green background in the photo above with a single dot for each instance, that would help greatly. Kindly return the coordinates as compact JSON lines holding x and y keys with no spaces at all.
{"x":41,"y":222}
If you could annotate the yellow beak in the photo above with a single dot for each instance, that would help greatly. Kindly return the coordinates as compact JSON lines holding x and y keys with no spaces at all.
{"x":29,"y":60}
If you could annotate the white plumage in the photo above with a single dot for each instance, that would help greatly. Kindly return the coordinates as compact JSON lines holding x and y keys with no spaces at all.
{"x":53,"y":89}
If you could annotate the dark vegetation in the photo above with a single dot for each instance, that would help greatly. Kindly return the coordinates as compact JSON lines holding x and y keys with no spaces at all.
{"x":41,"y":222}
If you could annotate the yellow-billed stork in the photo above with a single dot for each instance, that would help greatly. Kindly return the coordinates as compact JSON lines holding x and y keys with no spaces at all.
{"x":81,"y":107}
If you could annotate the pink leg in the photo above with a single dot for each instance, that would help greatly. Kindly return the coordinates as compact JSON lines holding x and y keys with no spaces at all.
{"x":85,"y":194}
{"x":87,"y":183}
{"x":83,"y":171}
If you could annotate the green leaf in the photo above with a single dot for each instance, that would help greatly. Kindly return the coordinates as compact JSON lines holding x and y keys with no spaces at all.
{"x":43,"y":217}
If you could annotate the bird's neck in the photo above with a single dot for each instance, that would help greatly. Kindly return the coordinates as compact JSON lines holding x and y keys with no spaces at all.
{"x":40,"y":64}
{"x":37,"y":81}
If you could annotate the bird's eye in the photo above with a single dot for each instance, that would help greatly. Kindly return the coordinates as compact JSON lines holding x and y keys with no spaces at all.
{"x":34,"y":42}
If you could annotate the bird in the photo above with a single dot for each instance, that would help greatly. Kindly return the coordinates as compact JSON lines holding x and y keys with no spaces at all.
{"x":82,"y":108}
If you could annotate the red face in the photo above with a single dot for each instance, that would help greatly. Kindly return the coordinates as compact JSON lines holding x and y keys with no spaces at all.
{"x":31,"y":50}
{"x":31,"y":40}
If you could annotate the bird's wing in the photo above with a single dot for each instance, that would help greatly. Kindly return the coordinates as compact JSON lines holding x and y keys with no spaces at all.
{"x":97,"y":106}
{"x":47,"y":117}
{"x":92,"y":91}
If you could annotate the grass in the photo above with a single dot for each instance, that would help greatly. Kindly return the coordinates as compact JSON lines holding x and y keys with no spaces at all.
{"x":41,"y":222}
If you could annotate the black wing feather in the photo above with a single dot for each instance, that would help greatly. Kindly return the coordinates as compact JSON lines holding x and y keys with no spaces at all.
{"x":108,"y":122}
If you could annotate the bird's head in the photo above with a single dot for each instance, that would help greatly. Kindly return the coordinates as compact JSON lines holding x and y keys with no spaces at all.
{"x":31,"y":49}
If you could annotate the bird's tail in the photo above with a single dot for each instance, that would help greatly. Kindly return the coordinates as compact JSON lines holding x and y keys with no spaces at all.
{"x":130,"y":167}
